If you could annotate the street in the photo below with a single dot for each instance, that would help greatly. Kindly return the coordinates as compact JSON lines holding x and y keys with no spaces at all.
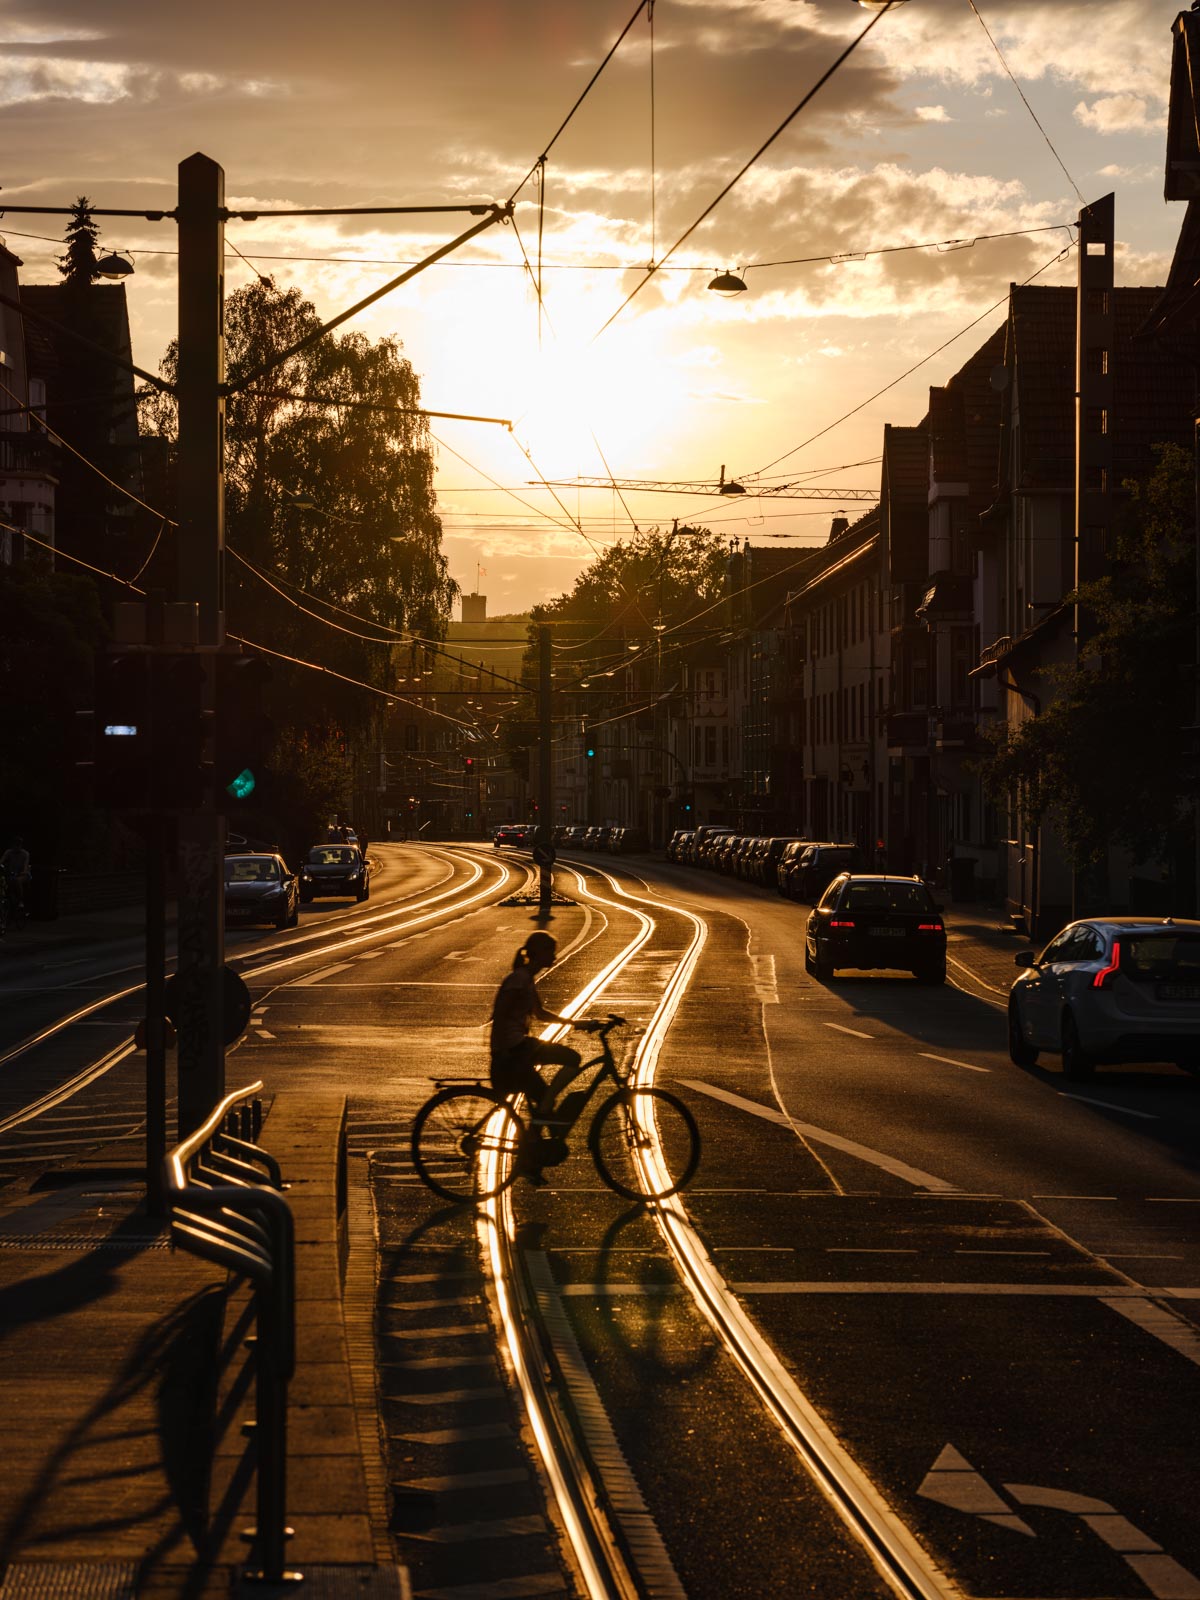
{"x":980,"y":1291}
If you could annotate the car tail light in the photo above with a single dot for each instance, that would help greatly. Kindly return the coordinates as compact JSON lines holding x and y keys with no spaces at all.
{"x":930,"y":927}
{"x":834,"y":924}
{"x":1104,"y":978}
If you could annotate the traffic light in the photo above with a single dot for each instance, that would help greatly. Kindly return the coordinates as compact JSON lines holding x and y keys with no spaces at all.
{"x":122,"y":731}
{"x":179,"y":732}
{"x":589,"y":745}
{"x":244,"y":732}
{"x":468,"y":764}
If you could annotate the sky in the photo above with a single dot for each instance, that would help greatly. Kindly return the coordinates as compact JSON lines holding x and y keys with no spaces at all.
{"x":920,"y":138}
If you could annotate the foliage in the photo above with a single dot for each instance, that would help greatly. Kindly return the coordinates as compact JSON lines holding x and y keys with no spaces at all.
{"x":309,"y":783}
{"x":1103,"y":759}
{"x":652,"y":577}
{"x":78,"y":263}
{"x":334,"y":501}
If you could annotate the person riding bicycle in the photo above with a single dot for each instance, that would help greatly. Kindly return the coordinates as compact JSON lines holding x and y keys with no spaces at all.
{"x":516,"y":1055}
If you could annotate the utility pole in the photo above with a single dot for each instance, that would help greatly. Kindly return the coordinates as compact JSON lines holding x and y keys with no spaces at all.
{"x":545,"y":829}
{"x":200,"y":578}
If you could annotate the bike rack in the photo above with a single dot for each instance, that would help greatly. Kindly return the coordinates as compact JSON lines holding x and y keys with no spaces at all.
{"x":224,"y":1205}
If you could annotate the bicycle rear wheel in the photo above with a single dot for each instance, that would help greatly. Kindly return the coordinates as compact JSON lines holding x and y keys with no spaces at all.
{"x":624,"y":1136}
{"x":464,"y":1143}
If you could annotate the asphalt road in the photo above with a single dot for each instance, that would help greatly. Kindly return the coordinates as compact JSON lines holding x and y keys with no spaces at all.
{"x":987,"y":1286}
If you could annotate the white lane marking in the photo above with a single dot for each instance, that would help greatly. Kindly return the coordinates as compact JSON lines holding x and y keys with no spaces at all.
{"x":1078,"y":1291}
{"x":1104,"y":1105}
{"x":460,"y":955}
{"x":1162,"y":1324}
{"x":949,"y":1061}
{"x":974,"y":976}
{"x":1160,"y":1573}
{"x":853,"y":1031}
{"x":864,"y":1250}
{"x":1170,"y":1200}
{"x":963,"y":1252}
{"x":263,"y":1034}
{"x":952,"y":1481}
{"x":318,"y":977}
{"x":874,"y":1158}
{"x":369,"y":955}
{"x":1073,"y":1197}
{"x":765,"y":986}
{"x":423,"y":983}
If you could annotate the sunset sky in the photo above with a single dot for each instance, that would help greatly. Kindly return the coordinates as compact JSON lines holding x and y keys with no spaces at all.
{"x":919,"y":138}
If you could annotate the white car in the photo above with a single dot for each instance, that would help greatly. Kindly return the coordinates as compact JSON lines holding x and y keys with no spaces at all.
{"x":1110,"y":989}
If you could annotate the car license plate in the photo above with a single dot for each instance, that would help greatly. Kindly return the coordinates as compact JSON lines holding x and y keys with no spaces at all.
{"x":1177,"y":991}
{"x":886,"y":933}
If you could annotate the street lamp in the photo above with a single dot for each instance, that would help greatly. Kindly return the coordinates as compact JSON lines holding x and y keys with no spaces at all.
{"x":114,"y":266}
{"x":728,"y":284}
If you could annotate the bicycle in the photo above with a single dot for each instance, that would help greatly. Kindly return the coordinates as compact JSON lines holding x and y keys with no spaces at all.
{"x":465,"y":1137}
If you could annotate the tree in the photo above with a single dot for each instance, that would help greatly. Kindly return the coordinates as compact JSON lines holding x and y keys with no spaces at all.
{"x":1103,"y":761}
{"x":78,"y":263}
{"x":331,"y":510}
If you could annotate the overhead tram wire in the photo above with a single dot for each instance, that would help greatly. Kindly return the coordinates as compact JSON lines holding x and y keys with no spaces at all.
{"x":741,"y":173}
{"x":546,"y":149}
{"x":1025,"y":101}
{"x":945,"y":345}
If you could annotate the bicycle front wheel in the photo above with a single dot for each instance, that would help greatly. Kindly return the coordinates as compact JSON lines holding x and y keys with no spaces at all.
{"x":645,"y":1143}
{"x":464,"y":1142}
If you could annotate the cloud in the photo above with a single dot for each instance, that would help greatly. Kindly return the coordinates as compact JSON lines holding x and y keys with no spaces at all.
{"x":1120,"y":113}
{"x":933,"y":114}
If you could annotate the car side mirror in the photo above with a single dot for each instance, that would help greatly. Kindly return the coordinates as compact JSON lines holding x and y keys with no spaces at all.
{"x":1025,"y":958}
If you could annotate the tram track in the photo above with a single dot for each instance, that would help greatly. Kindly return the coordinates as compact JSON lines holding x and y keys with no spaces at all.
{"x":408,"y":914}
{"x":617,"y":1549}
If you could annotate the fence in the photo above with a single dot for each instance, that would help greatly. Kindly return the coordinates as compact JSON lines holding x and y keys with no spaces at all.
{"x":224,"y":1205}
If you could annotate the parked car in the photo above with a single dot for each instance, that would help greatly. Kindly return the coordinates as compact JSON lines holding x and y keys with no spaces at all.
{"x":704,"y":832}
{"x":816,"y":867}
{"x":768,"y":858}
{"x":1109,"y":990}
{"x":786,"y":864}
{"x":628,"y":841}
{"x":335,"y":869}
{"x":572,"y":836}
{"x":710,"y":841}
{"x":678,"y":843}
{"x":875,"y":922}
{"x":260,"y":888}
{"x":516,"y":834}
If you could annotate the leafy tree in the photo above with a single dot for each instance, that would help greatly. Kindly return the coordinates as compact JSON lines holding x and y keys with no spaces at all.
{"x":1103,"y":759}
{"x":78,"y":263}
{"x":329,"y":501}
{"x":654,"y":577}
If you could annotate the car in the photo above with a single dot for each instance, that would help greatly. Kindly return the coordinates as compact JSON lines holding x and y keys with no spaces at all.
{"x":678,"y":843}
{"x":787,"y":861}
{"x":516,"y":834}
{"x":572,"y":836}
{"x":816,"y":867}
{"x":769,"y":857}
{"x":876,"y":922}
{"x":1108,"y":990}
{"x":335,"y":869}
{"x":260,"y":888}
{"x":628,"y":841}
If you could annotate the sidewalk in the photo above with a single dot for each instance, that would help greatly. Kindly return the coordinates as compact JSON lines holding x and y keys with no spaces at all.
{"x":125,"y":1388}
{"x":981,"y":941}
{"x":80,"y":928}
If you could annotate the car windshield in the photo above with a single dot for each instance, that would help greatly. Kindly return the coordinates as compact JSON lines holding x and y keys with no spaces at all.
{"x":888,"y":897}
{"x":1150,"y":958}
{"x":252,"y":869}
{"x":332,"y":855}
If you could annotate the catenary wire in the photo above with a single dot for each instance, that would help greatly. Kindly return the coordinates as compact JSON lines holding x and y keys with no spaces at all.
{"x":1025,"y":101}
{"x":737,"y":177}
{"x":854,"y":410}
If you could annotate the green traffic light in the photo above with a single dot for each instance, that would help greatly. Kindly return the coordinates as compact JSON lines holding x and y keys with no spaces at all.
{"x":242,"y":786}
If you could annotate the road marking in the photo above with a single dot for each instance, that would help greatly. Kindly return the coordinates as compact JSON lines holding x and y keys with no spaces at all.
{"x":1104,"y":1105}
{"x":875,"y":1158}
{"x":765,"y":986}
{"x":461,"y":955}
{"x":853,"y":1031}
{"x":316,"y":977}
{"x":949,"y":1061}
{"x":952,"y":1481}
{"x":1161,"y":1573}
{"x":974,"y":976}
{"x":1164,"y":1325}
{"x":1073,"y":1197}
{"x":863,"y":1250}
{"x":369,"y":955}
{"x":965,"y":1252}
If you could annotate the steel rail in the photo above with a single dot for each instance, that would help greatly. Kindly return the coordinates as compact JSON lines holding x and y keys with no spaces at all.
{"x":594,"y":1540}
{"x":97,"y":1069}
{"x":904,"y":1564}
{"x":115,"y":995}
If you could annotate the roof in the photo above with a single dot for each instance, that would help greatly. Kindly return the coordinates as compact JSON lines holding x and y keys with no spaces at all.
{"x":964,"y":419}
{"x":1183,"y":113}
{"x":1176,"y":313}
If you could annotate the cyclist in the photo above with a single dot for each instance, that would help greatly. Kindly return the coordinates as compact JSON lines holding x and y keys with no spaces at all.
{"x":516,"y":1055}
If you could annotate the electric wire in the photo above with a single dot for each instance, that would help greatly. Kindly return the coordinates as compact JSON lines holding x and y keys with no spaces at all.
{"x":945,"y":345}
{"x":1025,"y":101}
{"x":586,"y":91}
{"x":737,"y":177}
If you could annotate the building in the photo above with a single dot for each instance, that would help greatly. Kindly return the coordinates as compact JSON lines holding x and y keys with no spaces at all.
{"x":28,"y":479}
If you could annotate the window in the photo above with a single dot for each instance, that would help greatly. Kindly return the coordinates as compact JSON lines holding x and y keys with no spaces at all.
{"x":710,"y":745}
{"x":725,"y":745}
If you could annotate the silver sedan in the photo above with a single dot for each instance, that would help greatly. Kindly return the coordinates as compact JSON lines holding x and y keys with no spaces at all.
{"x":1109,"y":990}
